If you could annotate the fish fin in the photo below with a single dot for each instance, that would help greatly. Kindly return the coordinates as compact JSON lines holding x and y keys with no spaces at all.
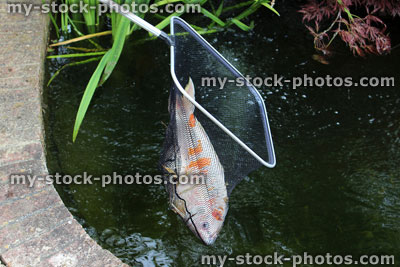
{"x":190,"y":88}
{"x":189,"y":107}
{"x":169,"y":170}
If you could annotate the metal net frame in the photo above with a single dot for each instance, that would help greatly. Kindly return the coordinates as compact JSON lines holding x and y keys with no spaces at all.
{"x":235,"y":117}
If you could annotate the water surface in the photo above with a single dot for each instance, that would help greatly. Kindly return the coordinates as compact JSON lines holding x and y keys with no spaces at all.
{"x":336,"y":186}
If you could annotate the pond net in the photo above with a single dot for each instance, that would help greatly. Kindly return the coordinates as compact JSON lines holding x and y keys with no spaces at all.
{"x":222,"y":134}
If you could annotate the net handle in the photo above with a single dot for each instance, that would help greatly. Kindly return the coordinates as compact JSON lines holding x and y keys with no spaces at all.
{"x":137,"y":20}
{"x":271,"y":151}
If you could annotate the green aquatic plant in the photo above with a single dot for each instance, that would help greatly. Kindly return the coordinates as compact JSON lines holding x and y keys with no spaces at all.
{"x":219,"y":17}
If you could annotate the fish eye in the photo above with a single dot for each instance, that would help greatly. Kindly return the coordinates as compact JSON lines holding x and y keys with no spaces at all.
{"x":205,"y":225}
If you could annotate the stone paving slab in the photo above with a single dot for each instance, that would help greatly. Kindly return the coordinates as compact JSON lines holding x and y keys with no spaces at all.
{"x":36,"y":229}
{"x":21,"y":70}
{"x":27,"y":166}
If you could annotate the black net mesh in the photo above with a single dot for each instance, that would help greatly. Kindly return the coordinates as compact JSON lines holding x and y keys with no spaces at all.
{"x":239,"y":108}
{"x":222,"y":160}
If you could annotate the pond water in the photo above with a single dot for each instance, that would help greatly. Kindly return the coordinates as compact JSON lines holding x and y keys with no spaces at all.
{"x":336,"y":186}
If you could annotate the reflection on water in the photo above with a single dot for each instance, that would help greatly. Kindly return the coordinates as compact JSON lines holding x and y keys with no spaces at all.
{"x":336,"y":187}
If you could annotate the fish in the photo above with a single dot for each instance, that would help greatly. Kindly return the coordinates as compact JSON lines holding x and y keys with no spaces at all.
{"x":202,"y":206}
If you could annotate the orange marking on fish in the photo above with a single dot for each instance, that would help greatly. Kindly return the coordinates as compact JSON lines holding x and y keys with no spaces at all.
{"x":200,"y":163}
{"x":197,"y":150}
{"x":217,"y":214}
{"x":192,"y":120}
{"x":211,"y":202}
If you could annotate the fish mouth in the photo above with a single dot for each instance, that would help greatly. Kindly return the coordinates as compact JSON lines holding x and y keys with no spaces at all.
{"x":210,"y":240}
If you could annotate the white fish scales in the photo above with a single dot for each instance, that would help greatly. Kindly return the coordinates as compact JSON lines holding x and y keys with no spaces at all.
{"x":202,"y":206}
